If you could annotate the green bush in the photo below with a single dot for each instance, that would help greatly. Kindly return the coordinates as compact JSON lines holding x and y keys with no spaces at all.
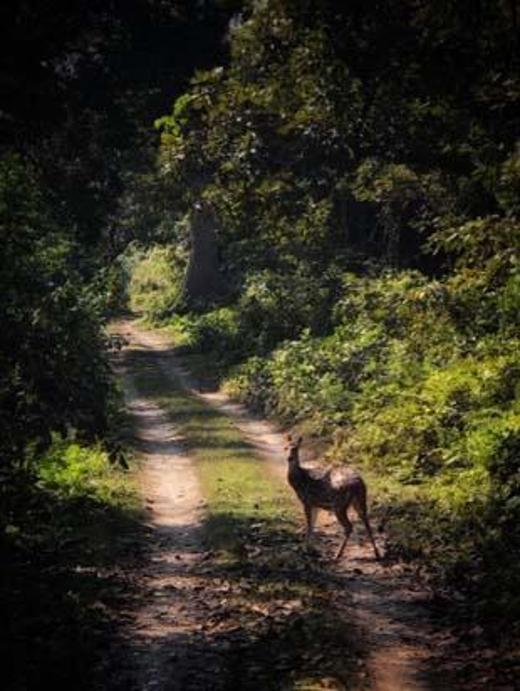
{"x":53,"y":372}
{"x":271,"y":308}
{"x":217,"y":331}
{"x":155,"y":285}
{"x":275,"y":306}
{"x":74,"y":471}
{"x":69,"y":532}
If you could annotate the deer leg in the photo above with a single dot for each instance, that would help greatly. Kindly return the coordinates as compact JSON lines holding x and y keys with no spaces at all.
{"x":360,"y":504}
{"x":365,"y":520}
{"x":310,"y":516}
{"x":341,"y":515}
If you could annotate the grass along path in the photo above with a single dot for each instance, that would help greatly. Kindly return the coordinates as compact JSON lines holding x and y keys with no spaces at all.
{"x":240,"y":498}
{"x":230,"y":599}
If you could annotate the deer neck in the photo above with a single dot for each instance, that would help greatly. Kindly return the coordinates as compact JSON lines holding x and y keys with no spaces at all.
{"x":294,"y":471}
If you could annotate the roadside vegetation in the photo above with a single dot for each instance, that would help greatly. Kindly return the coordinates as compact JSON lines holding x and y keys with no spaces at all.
{"x":67,"y":505}
{"x":70,"y":531}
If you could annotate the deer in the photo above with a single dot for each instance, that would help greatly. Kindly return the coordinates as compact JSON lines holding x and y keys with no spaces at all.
{"x":332,"y":489}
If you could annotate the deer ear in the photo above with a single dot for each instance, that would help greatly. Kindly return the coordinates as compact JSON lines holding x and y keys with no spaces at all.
{"x":299,"y":442}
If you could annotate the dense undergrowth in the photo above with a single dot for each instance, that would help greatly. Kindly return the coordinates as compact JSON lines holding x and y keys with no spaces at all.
{"x":69,"y":530}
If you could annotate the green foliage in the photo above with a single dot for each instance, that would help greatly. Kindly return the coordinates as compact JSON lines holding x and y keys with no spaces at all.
{"x":233,"y":137}
{"x":111,"y":285}
{"x":323,"y":375}
{"x":508,"y":187}
{"x":52,"y":369}
{"x":66,"y":525}
{"x":490,"y":244}
{"x":217,"y":331}
{"x":155,"y":285}
{"x":74,"y":471}
{"x":271,"y":307}
{"x":275,"y":306}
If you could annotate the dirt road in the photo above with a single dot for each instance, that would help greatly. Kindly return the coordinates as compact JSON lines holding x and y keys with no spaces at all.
{"x":195,"y":627}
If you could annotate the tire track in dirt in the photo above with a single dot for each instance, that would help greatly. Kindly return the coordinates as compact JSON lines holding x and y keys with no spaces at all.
{"x":388,"y":604}
{"x":174,"y":508}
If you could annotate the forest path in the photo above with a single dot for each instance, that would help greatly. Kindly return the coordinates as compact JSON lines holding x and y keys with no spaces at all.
{"x":190,"y":631}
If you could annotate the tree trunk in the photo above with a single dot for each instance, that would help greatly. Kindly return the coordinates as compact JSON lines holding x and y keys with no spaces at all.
{"x":203,"y":282}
